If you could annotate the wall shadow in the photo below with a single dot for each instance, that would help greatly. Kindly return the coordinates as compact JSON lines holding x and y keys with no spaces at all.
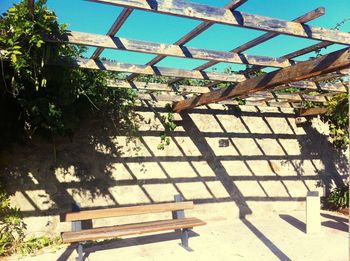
{"x":256,"y":159}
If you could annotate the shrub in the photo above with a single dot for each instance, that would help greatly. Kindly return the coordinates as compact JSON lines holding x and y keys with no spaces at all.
{"x":339,"y":197}
{"x":11,"y":225}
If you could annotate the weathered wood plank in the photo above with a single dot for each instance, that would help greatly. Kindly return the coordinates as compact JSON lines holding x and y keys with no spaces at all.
{"x":187,"y":89}
{"x":263,"y":38}
{"x":192,"y":34}
{"x":158,"y":98}
{"x":144,"y":69}
{"x":235,"y":18}
{"x":123,"y":16}
{"x":307,"y":112}
{"x":130,"y":229}
{"x":127,"y":211}
{"x":119,"y":43}
{"x":303,"y":70}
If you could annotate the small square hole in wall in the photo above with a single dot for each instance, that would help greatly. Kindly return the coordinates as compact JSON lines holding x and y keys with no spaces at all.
{"x":224,"y":143}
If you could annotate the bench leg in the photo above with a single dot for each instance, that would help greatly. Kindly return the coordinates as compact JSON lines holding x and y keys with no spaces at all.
{"x":184,"y":239}
{"x":80,"y":252}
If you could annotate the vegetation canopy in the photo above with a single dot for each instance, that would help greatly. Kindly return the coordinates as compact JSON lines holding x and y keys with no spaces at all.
{"x":49,"y":100}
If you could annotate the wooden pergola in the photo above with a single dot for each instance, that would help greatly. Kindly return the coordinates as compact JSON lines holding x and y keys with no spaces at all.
{"x":264,"y":90}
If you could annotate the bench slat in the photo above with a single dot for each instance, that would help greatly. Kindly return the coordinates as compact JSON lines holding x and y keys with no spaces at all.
{"x":130,"y":229}
{"x":127,"y":211}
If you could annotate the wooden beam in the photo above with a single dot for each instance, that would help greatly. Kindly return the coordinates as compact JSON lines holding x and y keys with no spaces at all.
{"x":308,"y":112}
{"x":144,"y":69}
{"x":119,"y":43}
{"x":159,"y":98}
{"x":303,"y":70}
{"x":192,"y":34}
{"x":265,"y":37}
{"x":234,"y":18}
{"x":187,"y":89}
{"x":31,"y":7}
{"x":234,"y":4}
{"x":114,"y":29}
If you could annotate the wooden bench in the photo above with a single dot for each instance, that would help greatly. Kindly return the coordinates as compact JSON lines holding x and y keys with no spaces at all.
{"x":178,"y":222}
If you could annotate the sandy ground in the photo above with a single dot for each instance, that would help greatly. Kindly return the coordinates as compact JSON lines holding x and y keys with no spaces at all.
{"x":268,"y":237}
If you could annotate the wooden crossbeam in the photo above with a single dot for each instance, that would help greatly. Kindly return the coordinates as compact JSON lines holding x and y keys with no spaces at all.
{"x":303,"y":70}
{"x":185,"y":89}
{"x":144,"y":69}
{"x":234,"y":18}
{"x":158,"y":98}
{"x":119,"y":43}
{"x":114,"y":29}
{"x":309,"y":112}
{"x":164,"y":92}
{"x":265,"y":37}
{"x":192,"y":34}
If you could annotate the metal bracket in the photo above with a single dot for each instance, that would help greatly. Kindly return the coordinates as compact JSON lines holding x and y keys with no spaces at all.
{"x":179,"y":214}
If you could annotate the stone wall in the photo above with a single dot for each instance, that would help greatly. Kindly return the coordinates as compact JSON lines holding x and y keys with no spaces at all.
{"x":251,"y":161}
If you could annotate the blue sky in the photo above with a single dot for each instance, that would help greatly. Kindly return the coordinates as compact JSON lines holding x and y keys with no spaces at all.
{"x":97,"y":18}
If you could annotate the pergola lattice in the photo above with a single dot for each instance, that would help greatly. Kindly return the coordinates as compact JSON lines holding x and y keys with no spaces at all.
{"x":307,"y":76}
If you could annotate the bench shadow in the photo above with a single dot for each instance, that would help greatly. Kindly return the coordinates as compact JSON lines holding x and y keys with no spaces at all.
{"x":135,"y":241}
{"x":294,"y":222}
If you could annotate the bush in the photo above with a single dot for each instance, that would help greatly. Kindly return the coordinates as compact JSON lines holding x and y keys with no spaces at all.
{"x":339,"y":197}
{"x":48,"y":100}
{"x":11,"y":225}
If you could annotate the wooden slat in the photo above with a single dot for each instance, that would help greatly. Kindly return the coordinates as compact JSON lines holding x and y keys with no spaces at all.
{"x":265,"y":37}
{"x":158,"y":98}
{"x":303,"y":70}
{"x":114,"y":29}
{"x":235,"y":18}
{"x":192,"y":34}
{"x":143,"y":69}
{"x":186,"y":89}
{"x":234,"y":4}
{"x":130,"y":229}
{"x":127,"y":211}
{"x":119,"y":43}
{"x":311,"y":112}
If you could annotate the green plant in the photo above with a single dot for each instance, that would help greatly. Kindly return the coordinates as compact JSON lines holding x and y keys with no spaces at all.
{"x":11,"y":225}
{"x":339,"y":197}
{"x":169,"y":125}
{"x":33,"y":244}
{"x":338,"y":119}
{"x":49,"y":100}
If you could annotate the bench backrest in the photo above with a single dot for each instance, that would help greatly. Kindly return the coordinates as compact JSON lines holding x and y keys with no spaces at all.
{"x":126,"y":211}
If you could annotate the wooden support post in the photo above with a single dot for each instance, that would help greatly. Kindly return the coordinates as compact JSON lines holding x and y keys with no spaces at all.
{"x":303,"y":70}
{"x":313,"y":218}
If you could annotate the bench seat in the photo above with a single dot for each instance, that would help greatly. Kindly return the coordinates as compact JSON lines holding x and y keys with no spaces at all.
{"x":130,"y":229}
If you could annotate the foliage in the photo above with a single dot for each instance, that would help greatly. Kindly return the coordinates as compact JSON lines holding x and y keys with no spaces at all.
{"x":34,"y":244}
{"x":11,"y":224}
{"x":339,"y":197}
{"x":338,"y":120}
{"x":169,"y":125}
{"x":49,"y":100}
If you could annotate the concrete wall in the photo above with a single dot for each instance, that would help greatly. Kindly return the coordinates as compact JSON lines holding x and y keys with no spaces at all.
{"x":250,"y":162}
